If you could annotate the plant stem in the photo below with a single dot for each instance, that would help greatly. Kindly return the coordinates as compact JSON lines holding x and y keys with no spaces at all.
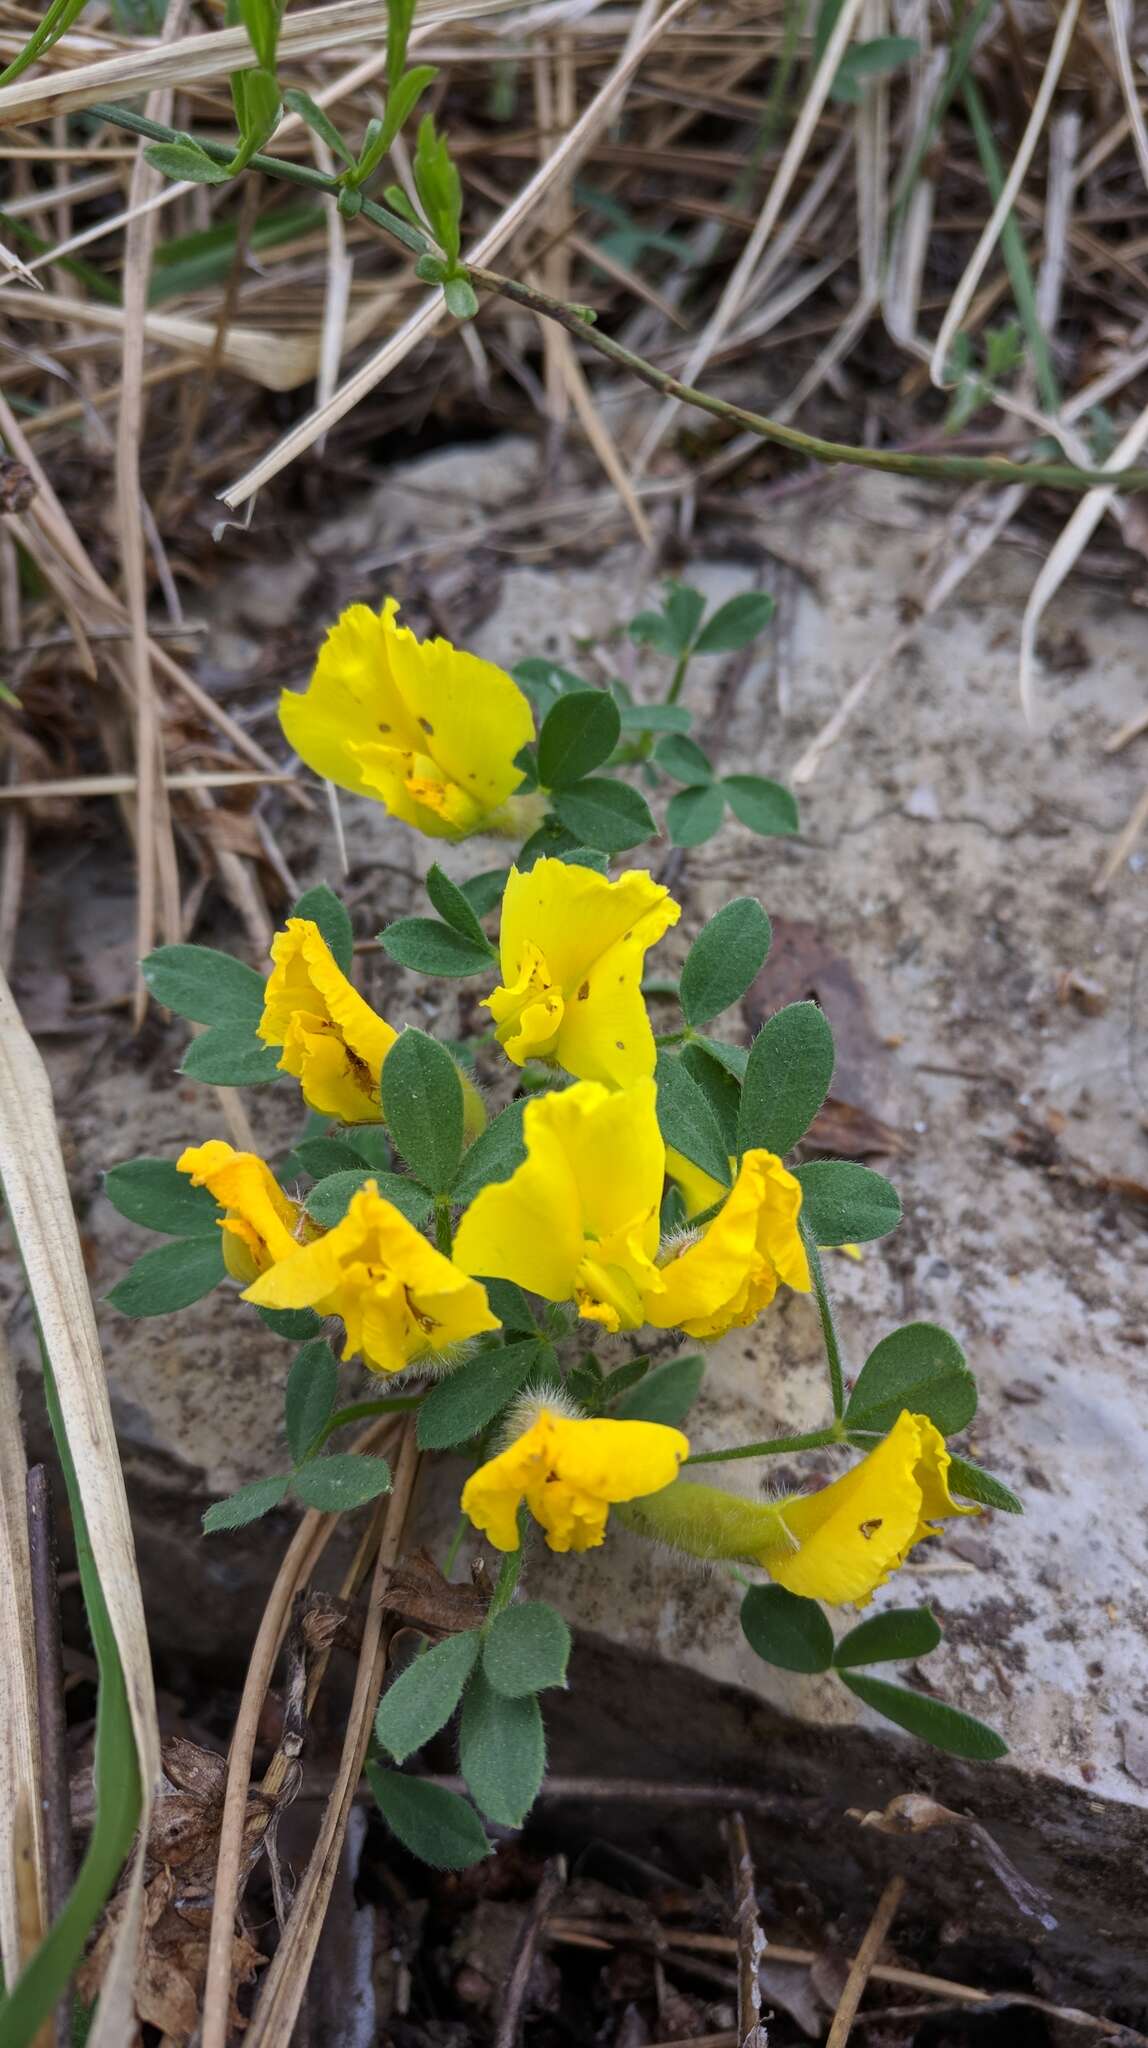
{"x":828,"y":1328}
{"x":455,"y":1545}
{"x":892,"y":462}
{"x":678,"y":677}
{"x":443,"y":1234}
{"x":507,"y":1583}
{"x":356,"y":1412}
{"x":774,"y":1447}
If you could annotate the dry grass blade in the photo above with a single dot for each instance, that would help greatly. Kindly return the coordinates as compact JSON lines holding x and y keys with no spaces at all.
{"x":285,"y":1984}
{"x":739,"y":279}
{"x":195,"y":60}
{"x":19,"y":1738}
{"x":990,"y":234}
{"x":35,"y":1186}
{"x":861,"y":1967}
{"x":646,"y":32}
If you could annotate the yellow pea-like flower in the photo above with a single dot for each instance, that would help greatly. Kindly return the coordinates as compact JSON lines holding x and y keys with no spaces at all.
{"x":569,"y":1472}
{"x":423,"y":727}
{"x":838,"y":1544}
{"x":399,"y":1298}
{"x":722,"y":1279}
{"x":572,"y":948}
{"x":333,"y":1042}
{"x":578,"y":1220}
{"x":261,"y":1224}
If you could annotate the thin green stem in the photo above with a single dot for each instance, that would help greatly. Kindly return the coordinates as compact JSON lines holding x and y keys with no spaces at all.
{"x":678,"y":677}
{"x":455,"y":1545}
{"x":507,"y":1583}
{"x":360,"y":1411}
{"x":828,"y":1327}
{"x":578,"y":321}
{"x":443,"y":1234}
{"x":773,"y":1447}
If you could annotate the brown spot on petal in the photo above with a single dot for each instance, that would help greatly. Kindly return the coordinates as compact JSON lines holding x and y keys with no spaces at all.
{"x":384,"y":728}
{"x":426,"y":725}
{"x":868,"y":1529}
{"x":583,"y":991}
{"x":621,"y":1044}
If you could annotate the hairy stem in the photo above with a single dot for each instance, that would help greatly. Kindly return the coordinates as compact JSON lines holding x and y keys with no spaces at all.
{"x":578,"y":321}
{"x":773,"y":1447}
{"x":828,"y":1327}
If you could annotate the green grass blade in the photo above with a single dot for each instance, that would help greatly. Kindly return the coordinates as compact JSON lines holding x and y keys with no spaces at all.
{"x":117,"y":1787}
{"x":1013,"y":251}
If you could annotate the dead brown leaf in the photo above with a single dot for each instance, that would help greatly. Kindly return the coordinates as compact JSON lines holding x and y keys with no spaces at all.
{"x":855,"y":1121}
{"x":419,"y":1595}
{"x":912,"y":1813}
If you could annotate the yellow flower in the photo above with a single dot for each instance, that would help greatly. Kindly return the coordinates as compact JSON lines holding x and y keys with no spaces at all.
{"x":578,"y":1220}
{"x":333,"y":1042}
{"x":572,"y":947}
{"x":399,"y":1298}
{"x":427,"y":730}
{"x":849,"y":1536}
{"x":724,"y":1278}
{"x":838,"y":1544}
{"x":699,"y":1189}
{"x":569,"y":1472}
{"x":261,"y":1223}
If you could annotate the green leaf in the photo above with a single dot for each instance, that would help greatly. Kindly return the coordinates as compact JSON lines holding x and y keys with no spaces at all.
{"x":721,"y":1089}
{"x":501,"y":1751}
{"x":653,"y":629}
{"x":877,"y":58}
{"x":311,"y":1388}
{"x":686,"y":1120}
{"x":455,"y":908}
{"x":683,"y":760}
{"x":459,"y":1406}
{"x":735,"y":623}
{"x":921,"y":1368}
{"x":261,"y":20}
{"x":786,"y":1630}
{"x":544,"y":682}
{"x":330,"y":1198}
{"x":461,"y":298}
{"x":972,"y":1483}
{"x":342,"y":1481}
{"x":205,"y":985}
{"x":171,"y":1277}
{"x":185,"y":160}
{"x":494,"y":1155}
{"x":400,"y":15}
{"x":526,"y":1649}
{"x":402,"y":100}
{"x":844,"y":1203}
{"x":432,"y":1823}
{"x":247,"y":1504}
{"x":725,"y":957}
{"x":608,"y":815}
{"x":424,"y":1696}
{"x":943,"y":1726}
{"x":428,"y":947}
{"x":318,"y":120}
{"x":322,"y":907}
{"x":787,"y":1078}
{"x":655,"y":717}
{"x":509,"y":1304}
{"x":437,"y":183}
{"x":484,"y":891}
{"x":666,"y":1394}
{"x":321,"y":1157}
{"x":899,"y":1633}
{"x":579,"y":732}
{"x":155,"y":1193}
{"x":230,"y":1056}
{"x":683,"y":608}
{"x":422,"y":1103}
{"x":694,"y":815}
{"x":297,"y":1324}
{"x":766,"y":807}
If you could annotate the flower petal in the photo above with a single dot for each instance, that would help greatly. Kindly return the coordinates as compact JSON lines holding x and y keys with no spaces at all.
{"x":264,"y":1220}
{"x":333,"y":1042}
{"x":472,"y":717}
{"x":527,"y":1228}
{"x":351,"y":701}
{"x":572,"y":916}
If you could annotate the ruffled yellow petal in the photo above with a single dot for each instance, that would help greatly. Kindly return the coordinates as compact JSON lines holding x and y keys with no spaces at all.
{"x":261,"y":1220}
{"x":333,"y":1042}
{"x":731,"y":1272}
{"x":850,"y":1535}
{"x":579,"y":1218}
{"x":399,"y":1298}
{"x":430,"y":730}
{"x":699,"y":1189}
{"x":569,"y":1472}
{"x":572,"y":947}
